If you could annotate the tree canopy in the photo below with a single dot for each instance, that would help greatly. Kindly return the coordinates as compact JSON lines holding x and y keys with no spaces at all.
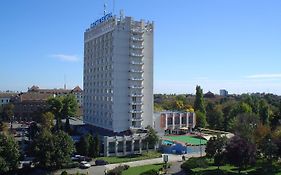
{"x":9,"y":153}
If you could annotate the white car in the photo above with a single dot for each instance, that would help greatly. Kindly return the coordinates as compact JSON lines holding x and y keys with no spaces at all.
{"x":84,"y":164}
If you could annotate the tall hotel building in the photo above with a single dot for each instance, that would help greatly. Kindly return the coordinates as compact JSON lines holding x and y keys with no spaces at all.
{"x":118,"y":73}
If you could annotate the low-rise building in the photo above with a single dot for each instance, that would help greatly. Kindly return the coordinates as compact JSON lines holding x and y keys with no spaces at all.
{"x":173,"y":122}
{"x":30,"y":104}
{"x":5,"y":98}
{"x":223,"y":93}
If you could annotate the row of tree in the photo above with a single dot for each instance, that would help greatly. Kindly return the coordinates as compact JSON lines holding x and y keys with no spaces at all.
{"x":9,"y":153}
{"x":220,"y":112}
{"x":251,"y":142}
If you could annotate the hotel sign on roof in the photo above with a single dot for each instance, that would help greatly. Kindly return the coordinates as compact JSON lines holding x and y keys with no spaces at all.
{"x":102,"y":19}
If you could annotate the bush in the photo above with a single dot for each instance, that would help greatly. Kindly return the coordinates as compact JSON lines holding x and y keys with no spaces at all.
{"x":191,"y":163}
{"x":70,"y":165}
{"x":118,"y":170}
{"x":126,"y":167}
{"x":64,"y":173}
{"x":150,"y":172}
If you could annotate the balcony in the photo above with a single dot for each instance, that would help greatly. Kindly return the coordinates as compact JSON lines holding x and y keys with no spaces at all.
{"x":137,"y":63}
{"x":136,"y":55}
{"x":136,"y":79}
{"x":136,"y":87}
{"x":136,"y":111}
{"x":137,"y":119}
{"x":133,"y":46}
{"x":137,"y":39}
{"x":136,"y":103}
{"x":137,"y":31}
{"x":136,"y":95}
{"x":136,"y":71}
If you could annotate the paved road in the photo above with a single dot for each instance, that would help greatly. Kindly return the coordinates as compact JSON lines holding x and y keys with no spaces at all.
{"x":99,"y":170}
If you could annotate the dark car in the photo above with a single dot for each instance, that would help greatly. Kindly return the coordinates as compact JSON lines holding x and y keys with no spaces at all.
{"x":101,"y":162}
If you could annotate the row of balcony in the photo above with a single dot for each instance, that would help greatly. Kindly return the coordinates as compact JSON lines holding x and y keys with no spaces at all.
{"x":136,"y":119}
{"x":136,"y":87}
{"x":139,"y":39}
{"x":136,"y":46}
{"x":136,"y":55}
{"x":136,"y":103}
{"x":136,"y":71}
{"x":136,"y":79}
{"x":136,"y":111}
{"x":137,"y":63}
{"x":138,"y":31}
{"x":136,"y":95}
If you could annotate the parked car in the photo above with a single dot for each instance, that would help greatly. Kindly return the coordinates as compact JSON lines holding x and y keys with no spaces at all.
{"x":84,"y":164}
{"x":101,"y":162}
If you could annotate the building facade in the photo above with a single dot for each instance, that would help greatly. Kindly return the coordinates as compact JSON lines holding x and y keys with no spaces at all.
{"x":5,"y":98}
{"x":30,"y":104}
{"x":223,"y":93}
{"x":118,"y":73}
{"x":173,"y":122}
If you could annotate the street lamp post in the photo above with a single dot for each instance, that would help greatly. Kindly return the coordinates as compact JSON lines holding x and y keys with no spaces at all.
{"x":200,"y":143}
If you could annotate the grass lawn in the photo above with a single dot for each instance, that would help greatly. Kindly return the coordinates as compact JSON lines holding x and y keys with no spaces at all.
{"x":260,"y":167}
{"x":140,"y":169}
{"x":186,"y":139}
{"x":143,"y":156}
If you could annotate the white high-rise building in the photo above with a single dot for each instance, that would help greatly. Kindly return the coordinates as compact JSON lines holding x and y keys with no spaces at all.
{"x":118,"y":73}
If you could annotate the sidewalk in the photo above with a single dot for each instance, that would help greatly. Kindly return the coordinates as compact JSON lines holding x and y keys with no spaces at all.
{"x":172,"y":158}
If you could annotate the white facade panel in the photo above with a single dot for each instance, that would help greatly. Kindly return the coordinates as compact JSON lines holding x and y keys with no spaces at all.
{"x":118,"y":74}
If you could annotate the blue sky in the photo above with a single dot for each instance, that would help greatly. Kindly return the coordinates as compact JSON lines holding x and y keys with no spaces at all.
{"x":231,"y":44}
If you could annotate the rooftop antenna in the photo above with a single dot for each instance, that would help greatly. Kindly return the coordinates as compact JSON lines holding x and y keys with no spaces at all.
{"x":64,"y":87}
{"x":121,"y":15}
{"x":113,"y":7}
{"x":104,"y":9}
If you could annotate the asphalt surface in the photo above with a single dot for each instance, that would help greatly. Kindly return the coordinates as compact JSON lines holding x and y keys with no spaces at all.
{"x":175,"y":169}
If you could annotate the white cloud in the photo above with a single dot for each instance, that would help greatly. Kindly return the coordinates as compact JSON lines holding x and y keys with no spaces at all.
{"x":68,"y":58}
{"x":264,"y":76}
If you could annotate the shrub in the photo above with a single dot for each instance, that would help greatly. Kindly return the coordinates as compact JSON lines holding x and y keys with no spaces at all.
{"x":64,"y":173}
{"x":191,"y":163}
{"x":150,"y":172}
{"x":118,"y":170}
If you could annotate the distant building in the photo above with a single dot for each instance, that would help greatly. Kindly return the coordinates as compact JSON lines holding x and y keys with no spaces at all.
{"x":30,"y":104}
{"x":118,"y":73}
{"x":209,"y":95}
{"x":173,"y":122}
{"x":223,"y":93}
{"x":5,"y":98}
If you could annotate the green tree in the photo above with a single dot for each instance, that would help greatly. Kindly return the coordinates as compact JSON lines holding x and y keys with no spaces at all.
{"x":91,"y":141}
{"x":199,"y":101}
{"x":214,"y":116}
{"x":8,"y":112}
{"x":264,"y":112}
{"x":240,"y":152}
{"x":69,"y":109}
{"x":83,"y":146}
{"x":200,"y":119}
{"x":240,"y":108}
{"x":215,"y":149}
{"x":268,"y":148}
{"x":260,"y":133}
{"x":64,"y":147}
{"x":151,"y":137}
{"x":96,"y":146}
{"x":244,"y":125}
{"x":46,"y":120}
{"x":44,"y":148}
{"x":55,"y":106}
{"x":9,"y":153}
{"x":53,"y":150}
